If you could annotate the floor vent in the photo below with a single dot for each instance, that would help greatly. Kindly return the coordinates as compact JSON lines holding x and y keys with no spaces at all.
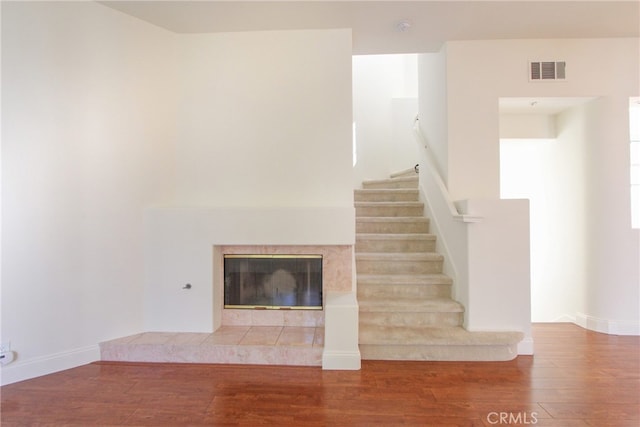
{"x":547,"y":70}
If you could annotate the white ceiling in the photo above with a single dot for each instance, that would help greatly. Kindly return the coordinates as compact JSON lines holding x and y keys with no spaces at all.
{"x":374,"y":23}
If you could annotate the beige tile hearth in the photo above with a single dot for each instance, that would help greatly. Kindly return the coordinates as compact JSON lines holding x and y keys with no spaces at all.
{"x":297,"y":336}
{"x":227,"y":335}
{"x":276,"y":345}
{"x":262,"y":335}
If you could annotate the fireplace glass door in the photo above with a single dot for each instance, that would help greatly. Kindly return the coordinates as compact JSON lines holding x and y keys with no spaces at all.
{"x":273,"y":281}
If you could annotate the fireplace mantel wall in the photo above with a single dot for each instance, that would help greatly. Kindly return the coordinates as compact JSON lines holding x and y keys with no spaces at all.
{"x":180,"y":244}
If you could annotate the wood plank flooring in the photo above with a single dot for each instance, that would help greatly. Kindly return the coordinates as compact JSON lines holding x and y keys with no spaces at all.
{"x":576,"y":378}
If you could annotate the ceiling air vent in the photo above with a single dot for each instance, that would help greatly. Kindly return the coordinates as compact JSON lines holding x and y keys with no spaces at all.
{"x":547,"y":70}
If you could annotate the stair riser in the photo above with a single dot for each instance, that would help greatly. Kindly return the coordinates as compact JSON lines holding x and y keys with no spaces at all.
{"x":409,"y":319}
{"x":472,"y":353}
{"x":386,"y":196}
{"x":409,"y":183}
{"x":389,"y":211}
{"x":395,"y":246}
{"x":403,"y":291}
{"x":398,"y":267}
{"x":392,"y":227}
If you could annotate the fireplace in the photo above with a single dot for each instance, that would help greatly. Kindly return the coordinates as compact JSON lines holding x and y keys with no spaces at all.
{"x":337,"y":276}
{"x":273,"y":281}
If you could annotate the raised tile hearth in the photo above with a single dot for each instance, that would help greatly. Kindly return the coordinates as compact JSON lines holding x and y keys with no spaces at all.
{"x":258,"y":345}
{"x":260,"y":336}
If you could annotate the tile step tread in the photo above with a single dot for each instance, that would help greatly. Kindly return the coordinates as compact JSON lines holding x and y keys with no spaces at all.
{"x":394,"y":335}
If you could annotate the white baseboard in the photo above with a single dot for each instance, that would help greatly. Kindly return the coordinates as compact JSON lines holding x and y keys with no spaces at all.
{"x":565,"y":318}
{"x":44,"y":365}
{"x":608,"y":326}
{"x":341,"y":360}
{"x":525,"y":347}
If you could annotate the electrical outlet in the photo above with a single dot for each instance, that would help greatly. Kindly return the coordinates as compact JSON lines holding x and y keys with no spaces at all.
{"x":5,"y":346}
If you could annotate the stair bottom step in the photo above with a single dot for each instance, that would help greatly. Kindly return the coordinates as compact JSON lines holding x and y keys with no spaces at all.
{"x":370,"y":334}
{"x":445,"y":344}
{"x":444,"y":353}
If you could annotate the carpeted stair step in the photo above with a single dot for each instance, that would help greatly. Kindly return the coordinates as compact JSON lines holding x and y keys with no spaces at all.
{"x":402,"y":182}
{"x":428,"y":312}
{"x":401,"y":263}
{"x":426,"y":305}
{"x":404,"y":286}
{"x":389,"y":209}
{"x":379,"y":242}
{"x":386,"y":195}
{"x":387,"y":225}
{"x":405,"y":307}
{"x":439,"y":343}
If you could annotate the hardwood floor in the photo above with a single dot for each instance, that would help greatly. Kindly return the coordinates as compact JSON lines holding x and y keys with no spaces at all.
{"x":576,"y":378}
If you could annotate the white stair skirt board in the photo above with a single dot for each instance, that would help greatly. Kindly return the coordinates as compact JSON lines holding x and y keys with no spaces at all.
{"x":405,"y":307}
{"x":526,"y":346}
{"x":341,"y":360}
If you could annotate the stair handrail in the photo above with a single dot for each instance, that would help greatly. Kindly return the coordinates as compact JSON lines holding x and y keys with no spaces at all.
{"x":433,"y":170}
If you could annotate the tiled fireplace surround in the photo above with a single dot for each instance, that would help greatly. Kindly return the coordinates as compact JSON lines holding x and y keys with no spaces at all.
{"x":337,"y":276}
{"x":337,"y":321}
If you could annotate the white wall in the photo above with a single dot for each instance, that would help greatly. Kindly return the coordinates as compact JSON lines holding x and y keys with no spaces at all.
{"x":263,"y":158}
{"x":499,"y":285}
{"x":432,"y":105}
{"x":87,"y":130}
{"x":384,"y":106}
{"x":265,"y":119}
{"x":105,"y":116}
{"x":613,"y":275}
{"x":480,"y":72}
{"x":180,"y":250}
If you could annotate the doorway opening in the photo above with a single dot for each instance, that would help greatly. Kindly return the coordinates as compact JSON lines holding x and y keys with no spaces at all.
{"x":542,"y":158}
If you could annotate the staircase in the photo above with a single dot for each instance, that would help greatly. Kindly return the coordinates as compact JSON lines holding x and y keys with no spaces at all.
{"x":406,"y":310}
